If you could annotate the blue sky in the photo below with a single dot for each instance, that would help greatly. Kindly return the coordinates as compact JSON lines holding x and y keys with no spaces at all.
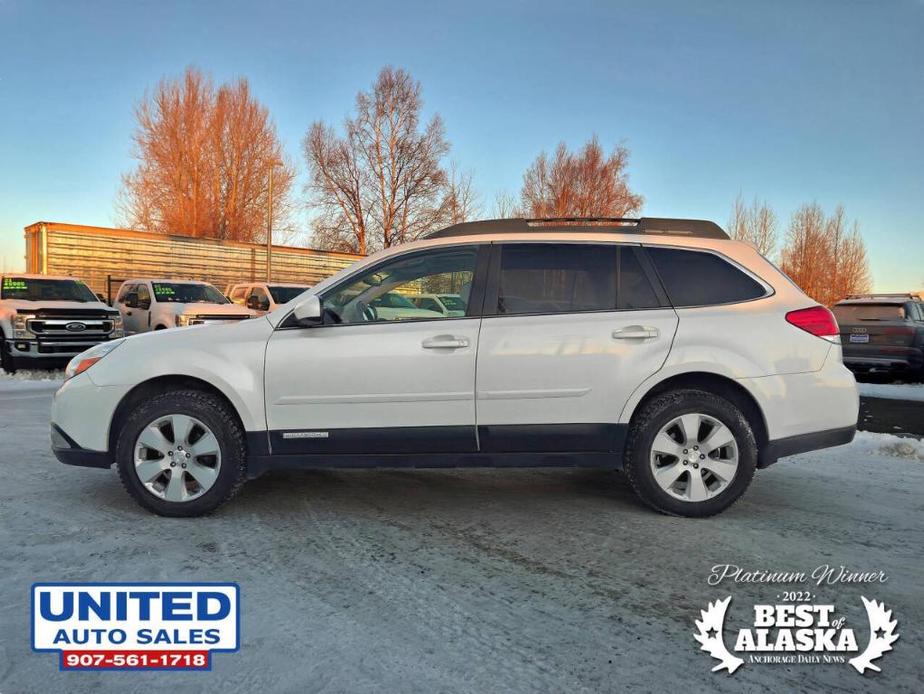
{"x":789,"y":101}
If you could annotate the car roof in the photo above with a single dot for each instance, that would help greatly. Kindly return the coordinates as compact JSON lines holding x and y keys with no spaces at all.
{"x":38,"y":276}
{"x":645,"y":226}
{"x":166,"y":280}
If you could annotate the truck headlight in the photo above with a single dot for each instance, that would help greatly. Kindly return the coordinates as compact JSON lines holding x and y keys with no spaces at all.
{"x":118,"y":327}
{"x":183,"y":320}
{"x":85,"y":360}
{"x":20,"y":329}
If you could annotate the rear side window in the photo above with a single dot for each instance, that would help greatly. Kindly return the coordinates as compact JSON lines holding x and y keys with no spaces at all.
{"x":556,"y":278}
{"x":696,"y":278}
{"x":853,"y":313}
{"x":572,"y":278}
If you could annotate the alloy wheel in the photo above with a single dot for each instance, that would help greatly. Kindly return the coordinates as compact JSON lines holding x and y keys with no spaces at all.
{"x":694,"y":457}
{"x":177,"y":458}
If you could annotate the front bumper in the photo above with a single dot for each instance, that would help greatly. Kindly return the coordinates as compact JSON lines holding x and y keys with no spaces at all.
{"x":51,"y":349}
{"x":69,"y":452}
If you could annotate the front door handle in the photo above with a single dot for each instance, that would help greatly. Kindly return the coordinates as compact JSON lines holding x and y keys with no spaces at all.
{"x":445,"y":342}
{"x":636,"y":332}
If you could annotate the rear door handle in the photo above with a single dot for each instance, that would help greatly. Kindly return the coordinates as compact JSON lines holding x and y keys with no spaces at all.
{"x":445,"y":342}
{"x":636,"y":332}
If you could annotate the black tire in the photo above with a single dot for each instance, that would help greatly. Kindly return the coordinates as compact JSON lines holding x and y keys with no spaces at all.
{"x":658,"y":413}
{"x":211,"y":411}
{"x":7,"y":363}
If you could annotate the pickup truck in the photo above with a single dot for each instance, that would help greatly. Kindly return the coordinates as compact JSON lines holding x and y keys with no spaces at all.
{"x":157,"y":304}
{"x":45,"y":321}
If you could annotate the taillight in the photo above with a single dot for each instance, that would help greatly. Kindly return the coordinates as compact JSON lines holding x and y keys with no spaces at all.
{"x":816,"y":320}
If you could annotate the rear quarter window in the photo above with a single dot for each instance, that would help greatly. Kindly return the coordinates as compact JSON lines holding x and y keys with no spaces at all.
{"x":698,"y":278}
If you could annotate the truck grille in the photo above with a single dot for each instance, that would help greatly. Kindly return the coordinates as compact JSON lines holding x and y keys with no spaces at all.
{"x":69,"y":331}
{"x":201,"y":318}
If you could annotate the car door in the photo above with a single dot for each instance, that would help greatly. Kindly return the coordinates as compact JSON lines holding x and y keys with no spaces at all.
{"x":364,"y":383}
{"x":569,"y":331}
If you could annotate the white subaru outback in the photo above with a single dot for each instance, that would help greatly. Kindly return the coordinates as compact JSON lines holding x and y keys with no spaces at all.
{"x":658,"y":346}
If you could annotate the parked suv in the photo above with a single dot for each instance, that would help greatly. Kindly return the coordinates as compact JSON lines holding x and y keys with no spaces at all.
{"x":45,"y":321}
{"x":883,"y":333}
{"x":656,"y":345}
{"x":450,"y":305}
{"x":147,"y":304}
{"x":263,"y":297}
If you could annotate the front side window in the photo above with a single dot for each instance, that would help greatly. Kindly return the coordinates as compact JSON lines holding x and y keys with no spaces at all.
{"x":182,"y":293}
{"x":32,"y":289}
{"x":283,"y":295}
{"x":238,"y":295}
{"x":124,"y":292}
{"x":144,"y":296}
{"x":698,"y":278}
{"x":385,"y":292}
{"x":556,"y":278}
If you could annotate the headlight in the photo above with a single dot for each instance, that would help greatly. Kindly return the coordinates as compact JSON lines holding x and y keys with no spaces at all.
{"x":85,"y":360}
{"x":183,"y":320}
{"x":20,"y":330}
{"x":118,"y":327}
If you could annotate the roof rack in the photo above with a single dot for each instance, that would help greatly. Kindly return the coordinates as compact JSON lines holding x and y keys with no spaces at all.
{"x":879,"y":295}
{"x":621,"y":225}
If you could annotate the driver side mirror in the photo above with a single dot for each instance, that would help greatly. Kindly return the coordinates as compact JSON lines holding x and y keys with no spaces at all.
{"x":308,"y":312}
{"x":131,"y":300}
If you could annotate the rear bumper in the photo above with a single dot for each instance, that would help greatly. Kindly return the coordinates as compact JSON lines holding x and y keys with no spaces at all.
{"x":869,"y":358}
{"x":67,"y":451}
{"x":803,"y":443}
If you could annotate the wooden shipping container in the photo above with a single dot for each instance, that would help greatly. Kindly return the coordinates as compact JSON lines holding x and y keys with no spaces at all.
{"x":96,"y":254}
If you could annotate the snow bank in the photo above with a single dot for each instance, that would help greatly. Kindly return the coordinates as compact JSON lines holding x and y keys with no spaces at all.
{"x":870,"y":443}
{"x":29,"y":379}
{"x":893,"y":391}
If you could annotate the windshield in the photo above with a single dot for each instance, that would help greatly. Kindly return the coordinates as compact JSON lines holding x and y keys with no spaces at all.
{"x":392,"y":300}
{"x":30,"y":289}
{"x":181,"y":293}
{"x":282,"y":295}
{"x":453,"y":302}
{"x":852,"y":313}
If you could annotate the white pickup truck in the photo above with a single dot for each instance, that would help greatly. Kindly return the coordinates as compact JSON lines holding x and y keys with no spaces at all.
{"x":45,"y":321}
{"x":152,"y":304}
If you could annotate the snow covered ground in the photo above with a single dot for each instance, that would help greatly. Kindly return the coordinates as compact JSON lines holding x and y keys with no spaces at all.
{"x":893,"y":391}
{"x":464,"y":580}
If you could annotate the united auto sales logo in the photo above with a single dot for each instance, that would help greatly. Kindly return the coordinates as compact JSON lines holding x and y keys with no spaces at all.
{"x":134,"y":626}
{"x":799,"y":629}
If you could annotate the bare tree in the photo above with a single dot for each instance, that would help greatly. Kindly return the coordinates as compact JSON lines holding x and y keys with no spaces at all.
{"x":505,"y":206}
{"x":824,"y":259}
{"x":204,"y":160}
{"x":754,"y":224}
{"x":584,"y":184}
{"x":461,"y":202}
{"x":381,"y":183}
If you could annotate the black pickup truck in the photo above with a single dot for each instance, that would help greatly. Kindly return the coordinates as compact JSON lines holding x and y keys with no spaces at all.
{"x":883,"y":334}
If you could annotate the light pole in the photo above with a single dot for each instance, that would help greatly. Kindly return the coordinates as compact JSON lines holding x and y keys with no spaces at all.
{"x":269,"y":223}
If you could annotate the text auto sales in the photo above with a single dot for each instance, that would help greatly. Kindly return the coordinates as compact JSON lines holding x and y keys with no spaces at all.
{"x":135,"y":606}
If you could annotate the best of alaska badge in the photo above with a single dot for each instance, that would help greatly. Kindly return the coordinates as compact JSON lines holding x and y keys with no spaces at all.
{"x":796,"y":633}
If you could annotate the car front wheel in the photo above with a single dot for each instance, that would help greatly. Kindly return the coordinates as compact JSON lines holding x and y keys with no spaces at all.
{"x":182,"y":453}
{"x":690,"y":453}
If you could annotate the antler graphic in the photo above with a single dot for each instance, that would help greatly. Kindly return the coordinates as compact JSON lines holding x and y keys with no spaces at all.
{"x":878,"y":621}
{"x":713,"y":619}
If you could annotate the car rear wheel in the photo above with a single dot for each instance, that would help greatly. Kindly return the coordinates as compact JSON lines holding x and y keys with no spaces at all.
{"x":690,"y":453}
{"x":182,"y":453}
{"x":6,"y":359}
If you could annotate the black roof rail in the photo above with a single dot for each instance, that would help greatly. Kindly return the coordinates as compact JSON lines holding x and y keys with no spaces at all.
{"x":621,"y":225}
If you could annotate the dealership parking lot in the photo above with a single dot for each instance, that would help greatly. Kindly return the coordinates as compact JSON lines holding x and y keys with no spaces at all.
{"x":467,"y":580}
